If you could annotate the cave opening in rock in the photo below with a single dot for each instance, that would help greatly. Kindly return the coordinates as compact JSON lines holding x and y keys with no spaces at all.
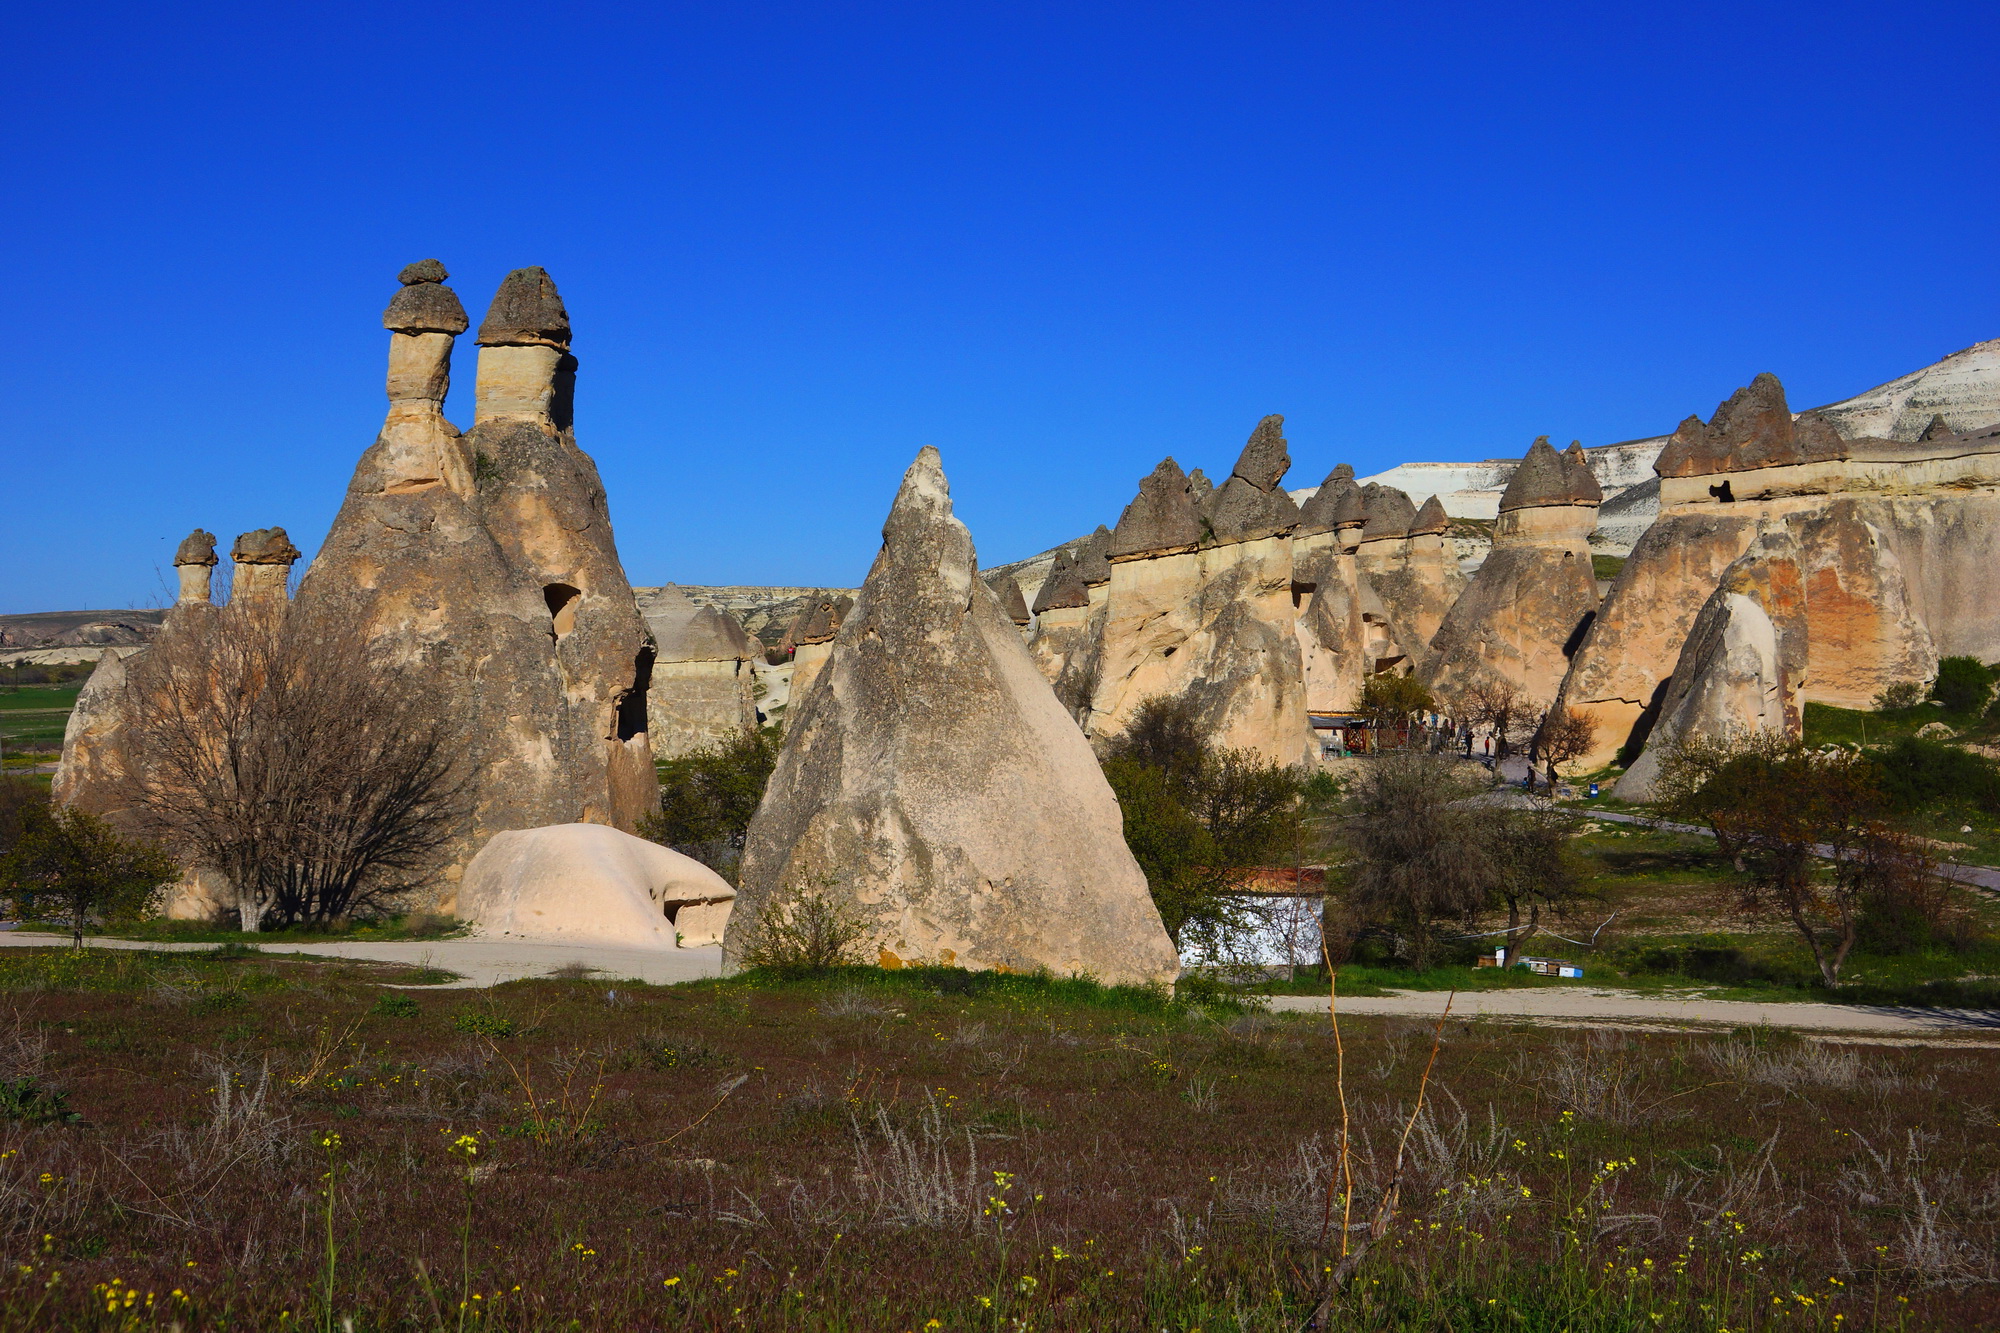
{"x":632,"y":703}
{"x":562,"y":600}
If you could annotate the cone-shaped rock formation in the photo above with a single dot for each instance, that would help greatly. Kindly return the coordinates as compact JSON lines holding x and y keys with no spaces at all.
{"x":938,"y":785}
{"x":703,"y":687}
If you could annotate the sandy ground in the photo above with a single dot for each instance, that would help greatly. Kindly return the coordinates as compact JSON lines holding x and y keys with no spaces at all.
{"x":1586,"y":1006}
{"x":478,"y":962}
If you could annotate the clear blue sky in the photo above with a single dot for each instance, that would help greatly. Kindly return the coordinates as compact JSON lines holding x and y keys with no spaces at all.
{"x":798,"y":242}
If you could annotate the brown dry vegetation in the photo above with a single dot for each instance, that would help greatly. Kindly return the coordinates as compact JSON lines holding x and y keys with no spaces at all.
{"x":917,"y":1151}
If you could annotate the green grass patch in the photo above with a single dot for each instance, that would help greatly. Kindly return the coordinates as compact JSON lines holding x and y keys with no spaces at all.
{"x":415,"y":926}
{"x":1606,"y":566}
{"x":1826,"y":724}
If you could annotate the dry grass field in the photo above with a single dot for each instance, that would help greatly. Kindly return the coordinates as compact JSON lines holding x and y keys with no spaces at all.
{"x":235,"y":1141}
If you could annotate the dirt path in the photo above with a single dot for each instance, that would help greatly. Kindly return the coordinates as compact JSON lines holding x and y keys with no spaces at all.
{"x":1588,"y":1006}
{"x":478,"y":962}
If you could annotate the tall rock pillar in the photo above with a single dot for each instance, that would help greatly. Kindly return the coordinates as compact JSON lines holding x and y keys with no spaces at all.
{"x":195,"y":563}
{"x":263,"y":566}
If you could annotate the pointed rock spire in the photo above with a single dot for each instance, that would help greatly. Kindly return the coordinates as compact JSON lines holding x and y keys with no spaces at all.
{"x":888,"y":789}
{"x":1936,"y":430}
{"x":1162,"y":519}
{"x":1252,"y":504}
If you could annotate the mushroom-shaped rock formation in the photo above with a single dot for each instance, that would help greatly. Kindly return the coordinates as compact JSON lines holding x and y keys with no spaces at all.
{"x":1937,"y":429}
{"x":195,"y":563}
{"x":942,"y":790}
{"x":1535,"y":592}
{"x":811,"y":640}
{"x":1253,"y":503}
{"x":703,"y":687}
{"x":525,"y":371}
{"x":422,"y":448}
{"x":587,"y":884}
{"x":263,"y":565}
{"x":505,"y":587}
{"x":1584,"y":487}
{"x":1164,"y":518}
{"x":1390,"y":515}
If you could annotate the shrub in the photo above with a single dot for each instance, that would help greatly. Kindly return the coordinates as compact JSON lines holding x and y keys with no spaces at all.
{"x":1915,"y":773}
{"x":1903,"y":694}
{"x":476,"y":1024}
{"x":393,"y":1005}
{"x":1962,"y":685}
{"x":75,"y":866}
{"x":806,"y":929}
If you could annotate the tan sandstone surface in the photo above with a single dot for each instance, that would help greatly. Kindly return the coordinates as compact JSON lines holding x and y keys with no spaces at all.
{"x":932,"y":780}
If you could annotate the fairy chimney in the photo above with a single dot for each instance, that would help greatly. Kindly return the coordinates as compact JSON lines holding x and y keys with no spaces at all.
{"x":195,"y":562}
{"x":263,"y":565}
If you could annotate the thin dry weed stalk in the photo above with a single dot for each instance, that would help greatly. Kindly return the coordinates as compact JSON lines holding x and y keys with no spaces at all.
{"x":913,"y":1178}
{"x":24,"y":1049}
{"x":1933,"y":1203}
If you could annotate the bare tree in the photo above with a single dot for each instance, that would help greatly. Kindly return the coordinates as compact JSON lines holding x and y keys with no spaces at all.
{"x":1536,"y":870}
{"x":1813,"y":848}
{"x":1497,"y":705}
{"x":271,"y":746}
{"x":1562,"y":737}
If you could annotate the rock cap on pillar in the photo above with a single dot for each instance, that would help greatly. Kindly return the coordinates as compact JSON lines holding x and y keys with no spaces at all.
{"x":263,"y":546}
{"x":1093,"y":564}
{"x":527,"y":311}
{"x":1546,"y":477}
{"x":1317,"y":513}
{"x":1008,"y":590}
{"x":1582,"y":479}
{"x":1390,"y":514}
{"x":424,"y":304}
{"x":1162,"y":519}
{"x":1064,"y":587}
{"x":1752,"y":428}
{"x":198,"y":548}
{"x":1431,"y":520}
{"x":1252,"y":503}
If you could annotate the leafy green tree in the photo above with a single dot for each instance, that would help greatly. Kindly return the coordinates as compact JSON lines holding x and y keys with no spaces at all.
{"x":1395,"y":701}
{"x":708,"y":796}
{"x":1536,"y":869}
{"x":74,"y":867}
{"x":1198,"y":819}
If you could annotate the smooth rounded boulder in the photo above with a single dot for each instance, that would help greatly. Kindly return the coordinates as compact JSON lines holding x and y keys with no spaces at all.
{"x":592,"y":884}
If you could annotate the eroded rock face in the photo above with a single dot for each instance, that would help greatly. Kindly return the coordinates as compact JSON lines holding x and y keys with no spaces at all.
{"x":703,"y":686}
{"x":1743,"y":667}
{"x":589,"y":884}
{"x":935,"y":781}
{"x":1011,"y":601}
{"x":1215,"y":624}
{"x":488,"y":562}
{"x":810,"y":640}
{"x":1163,"y":520}
{"x":263,"y":565}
